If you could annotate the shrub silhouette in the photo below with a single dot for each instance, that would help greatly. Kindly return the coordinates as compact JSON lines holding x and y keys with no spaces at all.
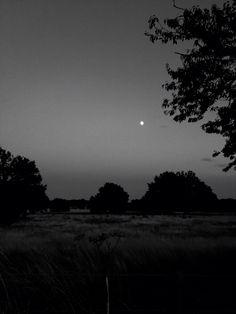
{"x":111,"y":198}
{"x":21,"y":188}
{"x":180,"y":191}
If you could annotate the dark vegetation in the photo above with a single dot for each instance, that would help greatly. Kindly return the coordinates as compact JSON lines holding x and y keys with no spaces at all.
{"x":63,"y":205}
{"x":22,"y":193}
{"x":153,"y":264}
{"x":206,"y":82}
{"x":111,"y":198}
{"x":21,"y":188}
{"x":180,"y":192}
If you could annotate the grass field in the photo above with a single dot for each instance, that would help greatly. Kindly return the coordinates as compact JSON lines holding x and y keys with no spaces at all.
{"x":163,"y":264}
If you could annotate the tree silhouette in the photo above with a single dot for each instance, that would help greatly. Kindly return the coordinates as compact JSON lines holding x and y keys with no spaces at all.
{"x":206,"y":82}
{"x":21,"y":187}
{"x":111,"y":198}
{"x":180,"y":191}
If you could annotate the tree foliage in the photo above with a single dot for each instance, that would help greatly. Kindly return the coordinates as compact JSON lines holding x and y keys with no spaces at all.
{"x":178,"y":191}
{"x":206,"y":81}
{"x":21,"y":187}
{"x":111,"y":198}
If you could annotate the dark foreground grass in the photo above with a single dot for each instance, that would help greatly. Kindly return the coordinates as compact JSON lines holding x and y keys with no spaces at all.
{"x":147,"y":267}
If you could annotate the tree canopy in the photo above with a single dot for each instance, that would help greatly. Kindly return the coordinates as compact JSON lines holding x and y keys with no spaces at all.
{"x":21,"y":187}
{"x":111,"y":198}
{"x":206,"y":81}
{"x":178,"y":191}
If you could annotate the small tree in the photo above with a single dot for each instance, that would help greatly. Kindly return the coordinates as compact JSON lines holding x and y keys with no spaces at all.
{"x":21,"y":187}
{"x":111,"y":198}
{"x":208,"y":72}
{"x":178,"y":191}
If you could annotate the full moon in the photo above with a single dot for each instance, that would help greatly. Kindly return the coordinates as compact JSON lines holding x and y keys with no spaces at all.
{"x":141,"y":123}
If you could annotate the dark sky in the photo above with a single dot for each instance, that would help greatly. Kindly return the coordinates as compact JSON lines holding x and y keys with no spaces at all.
{"x":76,"y":78}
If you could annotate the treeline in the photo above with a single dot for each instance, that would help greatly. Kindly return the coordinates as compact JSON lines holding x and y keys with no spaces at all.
{"x":22,"y":192}
{"x":168,"y":193}
{"x":139,"y":206}
{"x":62,"y":205}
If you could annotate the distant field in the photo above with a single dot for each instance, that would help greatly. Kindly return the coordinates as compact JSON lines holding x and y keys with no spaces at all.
{"x":131,"y":229}
{"x":58,"y":263}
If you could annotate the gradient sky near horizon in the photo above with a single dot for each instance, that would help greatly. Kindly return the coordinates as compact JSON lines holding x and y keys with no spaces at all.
{"x":76,"y":79}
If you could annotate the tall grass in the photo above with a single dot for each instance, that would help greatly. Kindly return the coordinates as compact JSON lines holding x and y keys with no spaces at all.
{"x":62,"y":267}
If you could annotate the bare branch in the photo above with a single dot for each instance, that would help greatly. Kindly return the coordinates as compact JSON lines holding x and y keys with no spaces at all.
{"x":177,"y":7}
{"x":182,"y":54}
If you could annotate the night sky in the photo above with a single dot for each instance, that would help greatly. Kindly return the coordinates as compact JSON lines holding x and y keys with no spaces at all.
{"x":77,"y":77}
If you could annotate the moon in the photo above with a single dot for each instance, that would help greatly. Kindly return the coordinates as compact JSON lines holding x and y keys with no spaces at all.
{"x":141,"y":123}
